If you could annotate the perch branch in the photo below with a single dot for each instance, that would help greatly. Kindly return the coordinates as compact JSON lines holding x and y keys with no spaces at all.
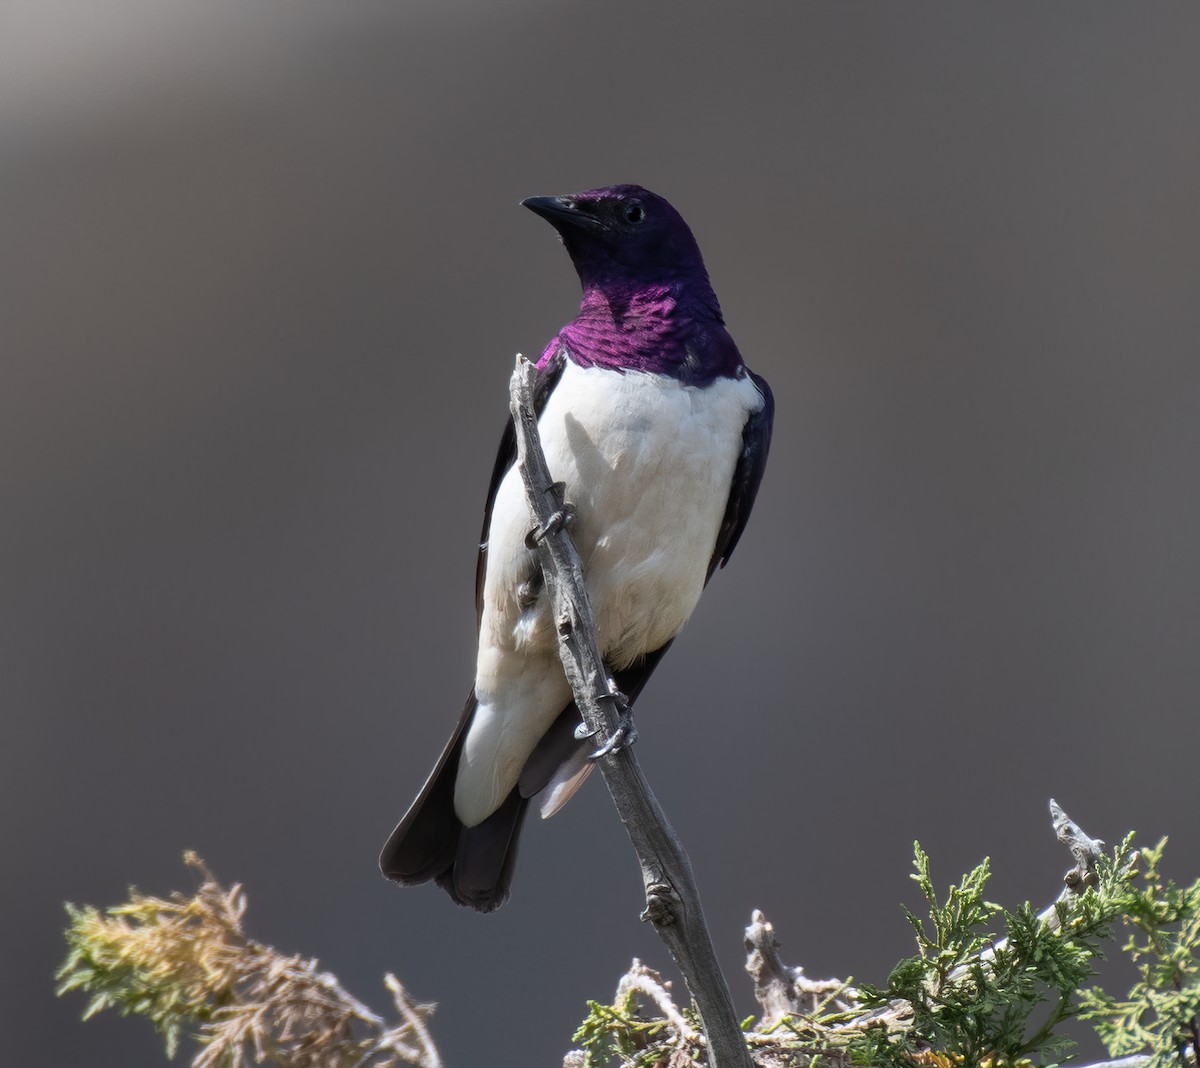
{"x":672,"y":899}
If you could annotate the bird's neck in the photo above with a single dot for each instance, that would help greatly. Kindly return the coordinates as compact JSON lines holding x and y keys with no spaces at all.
{"x":672,"y":327}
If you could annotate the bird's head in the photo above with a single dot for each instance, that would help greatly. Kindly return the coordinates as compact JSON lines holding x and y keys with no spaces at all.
{"x":623,"y":235}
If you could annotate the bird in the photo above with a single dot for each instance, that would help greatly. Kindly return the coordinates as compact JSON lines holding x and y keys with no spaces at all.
{"x":658,"y":430}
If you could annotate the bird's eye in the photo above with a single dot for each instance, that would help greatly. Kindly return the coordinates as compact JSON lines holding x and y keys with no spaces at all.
{"x":634,"y":213}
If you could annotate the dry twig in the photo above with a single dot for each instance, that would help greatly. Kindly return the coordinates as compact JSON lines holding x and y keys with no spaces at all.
{"x":783,"y":990}
{"x":187,"y":961}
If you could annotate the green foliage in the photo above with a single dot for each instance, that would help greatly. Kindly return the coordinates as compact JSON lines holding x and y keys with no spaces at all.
{"x":988,"y":986}
{"x":1160,"y":1013}
{"x":976,"y":997}
{"x":618,"y":1032}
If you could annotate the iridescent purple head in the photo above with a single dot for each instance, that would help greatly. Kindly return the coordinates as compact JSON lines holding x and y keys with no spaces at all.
{"x":622,"y":234}
{"x":647,"y":302}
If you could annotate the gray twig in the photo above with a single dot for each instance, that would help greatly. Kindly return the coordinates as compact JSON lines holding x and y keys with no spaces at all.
{"x":1085,"y":850}
{"x":784,"y":990}
{"x":672,"y":899}
{"x":774,"y":981}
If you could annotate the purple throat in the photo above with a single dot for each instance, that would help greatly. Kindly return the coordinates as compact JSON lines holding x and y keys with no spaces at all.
{"x":654,"y":328}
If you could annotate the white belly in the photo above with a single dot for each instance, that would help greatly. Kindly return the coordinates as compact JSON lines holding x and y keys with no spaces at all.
{"x":648,"y":464}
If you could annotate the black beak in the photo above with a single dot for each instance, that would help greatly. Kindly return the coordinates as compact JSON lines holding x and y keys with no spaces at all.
{"x":562,"y":212}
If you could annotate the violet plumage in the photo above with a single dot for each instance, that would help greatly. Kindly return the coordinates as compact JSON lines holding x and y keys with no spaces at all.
{"x":647,"y":303}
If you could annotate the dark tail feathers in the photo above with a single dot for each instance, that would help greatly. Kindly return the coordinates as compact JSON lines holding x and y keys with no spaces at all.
{"x":474,"y":865}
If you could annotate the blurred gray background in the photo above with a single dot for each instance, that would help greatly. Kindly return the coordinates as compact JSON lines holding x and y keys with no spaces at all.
{"x":264,"y":276}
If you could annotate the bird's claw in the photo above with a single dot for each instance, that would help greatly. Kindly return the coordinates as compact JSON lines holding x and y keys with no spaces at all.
{"x":560,"y":519}
{"x":625,"y":734}
{"x":582,"y":731}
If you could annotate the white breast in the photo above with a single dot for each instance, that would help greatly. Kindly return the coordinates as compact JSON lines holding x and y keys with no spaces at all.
{"x":648,"y":464}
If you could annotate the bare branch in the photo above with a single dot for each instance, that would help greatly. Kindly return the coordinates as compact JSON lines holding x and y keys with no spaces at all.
{"x":783,"y":990}
{"x":648,"y":982}
{"x":1085,"y":850}
{"x":672,"y":899}
{"x":425,"y":1054}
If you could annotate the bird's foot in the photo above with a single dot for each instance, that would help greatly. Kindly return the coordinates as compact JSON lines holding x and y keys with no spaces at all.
{"x":559,"y":520}
{"x":621,"y":738}
{"x":582,"y":731}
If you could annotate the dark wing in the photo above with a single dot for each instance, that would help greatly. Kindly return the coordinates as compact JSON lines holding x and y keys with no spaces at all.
{"x":543,"y":386}
{"x":747,"y":476}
